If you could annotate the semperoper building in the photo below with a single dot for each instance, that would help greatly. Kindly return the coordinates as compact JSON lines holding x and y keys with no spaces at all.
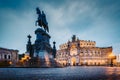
{"x":83,"y":52}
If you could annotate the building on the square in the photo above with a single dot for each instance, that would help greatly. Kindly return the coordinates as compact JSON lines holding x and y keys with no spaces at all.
{"x":118,"y":59}
{"x":83,"y":52}
{"x":9,"y":55}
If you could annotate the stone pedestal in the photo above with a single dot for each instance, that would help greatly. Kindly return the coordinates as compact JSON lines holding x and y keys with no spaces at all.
{"x":42,"y":42}
{"x":42,"y":47}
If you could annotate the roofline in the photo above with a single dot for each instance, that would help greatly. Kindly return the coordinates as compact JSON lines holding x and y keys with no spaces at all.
{"x":8,"y":49}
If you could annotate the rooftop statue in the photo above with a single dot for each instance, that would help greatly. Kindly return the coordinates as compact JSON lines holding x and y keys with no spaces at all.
{"x":42,"y":22}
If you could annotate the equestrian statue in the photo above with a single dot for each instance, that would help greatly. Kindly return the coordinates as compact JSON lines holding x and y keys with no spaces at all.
{"x":42,"y":22}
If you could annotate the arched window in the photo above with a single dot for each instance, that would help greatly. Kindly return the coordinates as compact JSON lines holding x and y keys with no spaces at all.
{"x":9,"y":57}
{"x":5,"y":56}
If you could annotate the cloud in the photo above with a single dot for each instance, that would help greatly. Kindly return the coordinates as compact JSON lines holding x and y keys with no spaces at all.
{"x":99,"y":27}
{"x":89,"y":20}
{"x":15,"y":28}
{"x":60,"y":19}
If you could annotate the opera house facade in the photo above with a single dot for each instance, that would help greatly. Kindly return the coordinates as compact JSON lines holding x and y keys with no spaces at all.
{"x":83,"y":52}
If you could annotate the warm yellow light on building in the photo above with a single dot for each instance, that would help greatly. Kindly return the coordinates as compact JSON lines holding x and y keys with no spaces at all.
{"x":85,"y":53}
{"x":112,"y":58}
{"x":25,"y":58}
{"x":10,"y":62}
{"x":111,"y":55}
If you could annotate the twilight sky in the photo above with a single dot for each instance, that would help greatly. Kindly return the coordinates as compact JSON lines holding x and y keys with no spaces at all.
{"x":97,"y":20}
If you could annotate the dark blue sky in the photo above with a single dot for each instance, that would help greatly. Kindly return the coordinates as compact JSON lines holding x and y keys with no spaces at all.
{"x":97,"y":20}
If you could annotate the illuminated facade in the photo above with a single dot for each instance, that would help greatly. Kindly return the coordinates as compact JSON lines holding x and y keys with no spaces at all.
{"x":82,"y":52}
{"x":9,"y":55}
{"x":118,"y":59}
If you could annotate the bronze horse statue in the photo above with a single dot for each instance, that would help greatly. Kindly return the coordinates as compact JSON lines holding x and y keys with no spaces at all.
{"x":42,"y":22}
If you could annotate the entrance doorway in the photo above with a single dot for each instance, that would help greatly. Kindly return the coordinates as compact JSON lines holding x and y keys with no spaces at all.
{"x":73,"y":61}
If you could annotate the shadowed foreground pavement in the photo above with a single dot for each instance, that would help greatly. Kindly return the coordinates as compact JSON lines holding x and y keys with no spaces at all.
{"x":68,"y":73}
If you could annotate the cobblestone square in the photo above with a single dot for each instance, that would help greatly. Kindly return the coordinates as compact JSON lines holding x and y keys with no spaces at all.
{"x":68,"y":73}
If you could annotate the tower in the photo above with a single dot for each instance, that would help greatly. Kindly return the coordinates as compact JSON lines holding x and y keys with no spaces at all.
{"x":29,"y":47}
{"x":54,"y":49}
